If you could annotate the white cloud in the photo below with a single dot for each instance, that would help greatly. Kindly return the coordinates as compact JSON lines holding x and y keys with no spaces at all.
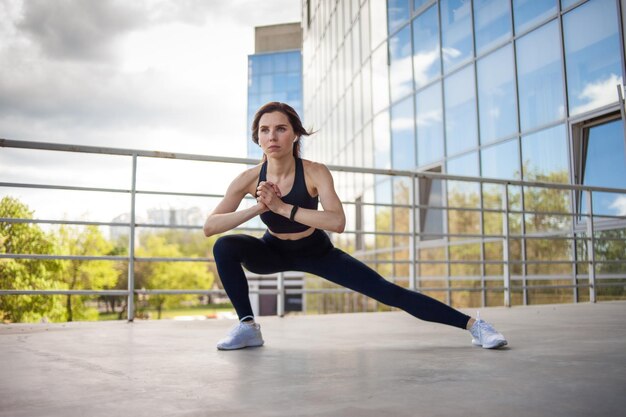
{"x":597,"y":94}
{"x":147,"y":74}
{"x":619,"y":205}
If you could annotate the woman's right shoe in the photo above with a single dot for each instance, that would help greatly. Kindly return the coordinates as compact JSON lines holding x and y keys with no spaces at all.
{"x":242,"y":335}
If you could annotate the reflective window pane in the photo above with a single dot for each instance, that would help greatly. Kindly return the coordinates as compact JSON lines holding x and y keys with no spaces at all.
{"x":403,"y":135}
{"x":463,"y":193}
{"x":456,"y":33}
{"x":545,"y":155}
{"x":398,"y":12}
{"x":378,"y":16}
{"x":540,"y":77}
{"x":567,"y":3}
{"x":492,"y":22}
{"x":426,"y":55}
{"x":528,"y":13}
{"x":429,"y":115}
{"x":460,"y":100}
{"x":466,"y":165}
{"x":431,"y":218}
{"x":419,"y":3}
{"x":382,"y":141}
{"x":497,"y":103}
{"x":501,"y":160}
{"x":593,"y":66}
{"x":380,"y":82}
{"x":605,"y":166}
{"x":400,"y":72}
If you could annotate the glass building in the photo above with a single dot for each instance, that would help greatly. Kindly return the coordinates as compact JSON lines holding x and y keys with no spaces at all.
{"x":274,"y":71}
{"x":506,"y":89}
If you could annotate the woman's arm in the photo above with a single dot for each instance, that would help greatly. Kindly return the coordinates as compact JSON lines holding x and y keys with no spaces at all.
{"x":332,"y":218}
{"x":225,"y":217}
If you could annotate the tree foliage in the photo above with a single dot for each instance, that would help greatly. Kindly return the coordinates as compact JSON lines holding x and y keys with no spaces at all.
{"x":79,"y":274}
{"x":26,"y":274}
{"x":168,"y":275}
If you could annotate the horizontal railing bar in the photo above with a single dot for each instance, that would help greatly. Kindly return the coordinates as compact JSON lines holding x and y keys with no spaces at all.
{"x":367,"y":261}
{"x":48,"y":146}
{"x":65,"y":292}
{"x":9,"y":143}
{"x":180,"y":194}
{"x":63,"y":257}
{"x":73,"y":222}
{"x":63,"y":187}
{"x":290,"y":291}
{"x":172,"y":259}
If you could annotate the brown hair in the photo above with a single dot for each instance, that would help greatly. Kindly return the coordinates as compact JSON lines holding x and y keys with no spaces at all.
{"x":291,"y":114}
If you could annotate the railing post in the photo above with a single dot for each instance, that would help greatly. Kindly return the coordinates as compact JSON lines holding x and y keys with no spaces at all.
{"x":412,"y":238}
{"x":280,"y":296}
{"x":591,"y":253}
{"x":130,"y":310}
{"x":505,"y":246}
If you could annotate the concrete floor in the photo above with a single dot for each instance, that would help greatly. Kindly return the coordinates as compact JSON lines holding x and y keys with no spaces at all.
{"x":562,"y":360}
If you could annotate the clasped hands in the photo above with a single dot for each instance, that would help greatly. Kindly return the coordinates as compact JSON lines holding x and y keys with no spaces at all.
{"x":268,"y":196}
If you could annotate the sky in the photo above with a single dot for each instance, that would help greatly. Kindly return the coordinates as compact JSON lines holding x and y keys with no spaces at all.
{"x":142,"y":74}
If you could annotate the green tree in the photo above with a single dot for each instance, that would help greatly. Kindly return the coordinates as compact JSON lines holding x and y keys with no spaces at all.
{"x":79,"y":274}
{"x":26,"y":274}
{"x":169,"y":275}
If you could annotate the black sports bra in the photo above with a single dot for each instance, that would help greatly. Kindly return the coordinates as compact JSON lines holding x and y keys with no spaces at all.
{"x":298,"y":196}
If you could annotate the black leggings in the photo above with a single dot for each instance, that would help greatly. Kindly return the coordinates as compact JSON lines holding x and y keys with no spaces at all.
{"x":316,"y":254}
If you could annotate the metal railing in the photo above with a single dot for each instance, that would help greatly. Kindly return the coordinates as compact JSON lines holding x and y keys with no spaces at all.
{"x":580,"y":230}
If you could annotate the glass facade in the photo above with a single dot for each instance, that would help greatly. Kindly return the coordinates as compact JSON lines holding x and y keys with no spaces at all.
{"x":507,"y":89}
{"x":273,"y":76}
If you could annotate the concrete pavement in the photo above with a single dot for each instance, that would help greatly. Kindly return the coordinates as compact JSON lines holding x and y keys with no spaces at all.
{"x":562,"y":360}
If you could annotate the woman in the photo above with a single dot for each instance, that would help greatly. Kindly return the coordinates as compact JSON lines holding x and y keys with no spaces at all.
{"x":287,"y":190}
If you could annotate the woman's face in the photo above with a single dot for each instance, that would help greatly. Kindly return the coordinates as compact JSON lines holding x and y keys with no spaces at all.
{"x":276,"y":135}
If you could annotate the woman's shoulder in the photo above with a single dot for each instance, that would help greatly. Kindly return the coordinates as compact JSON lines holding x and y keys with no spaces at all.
{"x":314,"y":167}
{"x":316,"y":173}
{"x":248,"y":178}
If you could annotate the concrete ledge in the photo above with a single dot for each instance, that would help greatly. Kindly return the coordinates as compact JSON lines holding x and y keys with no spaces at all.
{"x":563,"y":360}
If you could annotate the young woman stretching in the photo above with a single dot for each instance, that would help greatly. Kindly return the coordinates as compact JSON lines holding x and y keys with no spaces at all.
{"x":287,"y":190}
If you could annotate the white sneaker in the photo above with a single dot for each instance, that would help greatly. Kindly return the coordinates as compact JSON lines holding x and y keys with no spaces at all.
{"x":242,"y":335}
{"x":484,"y":335}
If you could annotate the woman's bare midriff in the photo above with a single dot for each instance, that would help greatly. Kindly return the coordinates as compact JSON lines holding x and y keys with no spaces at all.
{"x":293,"y":236}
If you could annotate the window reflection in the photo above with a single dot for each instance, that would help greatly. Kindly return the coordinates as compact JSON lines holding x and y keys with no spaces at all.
{"x":567,"y":3}
{"x":426,"y":55}
{"x":429,"y":115}
{"x":544,"y":155}
{"x":528,"y":13}
{"x":492,"y":23}
{"x":540,"y":77}
{"x":431,"y":195}
{"x":604,"y":165}
{"x":378,"y":16}
{"x":462,"y":193}
{"x":544,"y":158}
{"x":456,"y":33}
{"x":500,"y":161}
{"x":380,"y":83}
{"x":460,"y":100}
{"x":398,"y":12}
{"x":593,"y":67}
{"x":402,"y":135}
{"x":419,"y":3}
{"x":382,"y":141}
{"x":497,"y":102}
{"x":400,"y":72}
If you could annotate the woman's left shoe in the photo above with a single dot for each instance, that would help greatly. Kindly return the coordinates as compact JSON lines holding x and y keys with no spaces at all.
{"x":486,"y":336}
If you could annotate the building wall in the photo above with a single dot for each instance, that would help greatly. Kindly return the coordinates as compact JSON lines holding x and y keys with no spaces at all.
{"x":274,"y":71}
{"x":516,"y":89}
